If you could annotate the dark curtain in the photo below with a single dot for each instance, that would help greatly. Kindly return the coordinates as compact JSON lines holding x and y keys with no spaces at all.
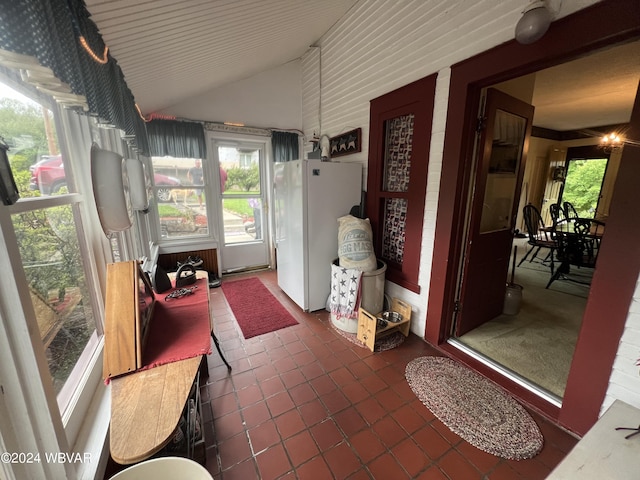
{"x":176,"y":139}
{"x":50,"y":31}
{"x":285,"y":146}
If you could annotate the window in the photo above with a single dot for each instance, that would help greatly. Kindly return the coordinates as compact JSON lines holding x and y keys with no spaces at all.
{"x":46,"y":225}
{"x":52,"y":263}
{"x":584,"y":180}
{"x":400,"y":133}
{"x":180,"y":189}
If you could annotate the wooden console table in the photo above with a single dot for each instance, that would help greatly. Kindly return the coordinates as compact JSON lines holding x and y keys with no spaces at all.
{"x":146,"y":405}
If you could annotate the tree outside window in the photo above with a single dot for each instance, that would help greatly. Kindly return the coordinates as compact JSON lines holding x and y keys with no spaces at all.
{"x":583,"y":184}
{"x":47,"y":237}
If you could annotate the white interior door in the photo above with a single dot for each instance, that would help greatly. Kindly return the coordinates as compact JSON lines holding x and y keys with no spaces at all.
{"x":243,"y":205}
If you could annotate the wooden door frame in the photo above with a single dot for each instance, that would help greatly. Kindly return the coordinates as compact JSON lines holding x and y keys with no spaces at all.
{"x":601,"y":25}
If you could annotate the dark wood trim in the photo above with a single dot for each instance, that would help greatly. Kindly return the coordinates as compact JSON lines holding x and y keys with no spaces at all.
{"x":611,"y":294}
{"x":549,"y":134}
{"x":586,"y":151}
{"x":601,"y":25}
{"x":417,"y":98}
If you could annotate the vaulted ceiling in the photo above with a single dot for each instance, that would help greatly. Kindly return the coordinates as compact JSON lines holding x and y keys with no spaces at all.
{"x":170,"y":51}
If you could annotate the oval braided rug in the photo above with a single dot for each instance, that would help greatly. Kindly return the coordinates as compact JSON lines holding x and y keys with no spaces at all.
{"x":474,"y":408}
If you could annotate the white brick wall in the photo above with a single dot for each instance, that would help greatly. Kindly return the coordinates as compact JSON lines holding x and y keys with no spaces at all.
{"x":624,"y":383}
{"x":381,"y":45}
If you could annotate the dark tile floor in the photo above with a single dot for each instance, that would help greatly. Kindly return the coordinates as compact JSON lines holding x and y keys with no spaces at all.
{"x":304,"y":402}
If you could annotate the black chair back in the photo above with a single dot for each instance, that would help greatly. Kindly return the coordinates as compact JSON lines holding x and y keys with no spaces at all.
{"x":580,"y":247}
{"x":534,"y":223}
{"x":570,"y":211}
{"x":557,"y":213}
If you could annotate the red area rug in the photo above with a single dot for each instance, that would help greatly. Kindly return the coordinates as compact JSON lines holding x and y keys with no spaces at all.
{"x":256,"y":310}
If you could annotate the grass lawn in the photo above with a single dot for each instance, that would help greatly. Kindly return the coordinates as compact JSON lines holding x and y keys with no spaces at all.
{"x":239,"y":206}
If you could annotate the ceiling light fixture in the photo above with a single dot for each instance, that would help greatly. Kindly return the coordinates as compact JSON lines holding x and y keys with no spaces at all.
{"x":534,"y":23}
{"x":611,"y":142}
{"x":234,"y":124}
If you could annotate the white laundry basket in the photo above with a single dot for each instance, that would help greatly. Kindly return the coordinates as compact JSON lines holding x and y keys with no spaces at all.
{"x":165,"y":468}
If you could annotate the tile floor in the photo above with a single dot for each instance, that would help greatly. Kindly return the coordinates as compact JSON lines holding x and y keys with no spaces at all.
{"x":304,"y":402}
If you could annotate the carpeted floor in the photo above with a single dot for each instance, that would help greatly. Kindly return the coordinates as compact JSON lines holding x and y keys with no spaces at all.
{"x":256,"y":310}
{"x":474,"y":408}
{"x":539,"y":342}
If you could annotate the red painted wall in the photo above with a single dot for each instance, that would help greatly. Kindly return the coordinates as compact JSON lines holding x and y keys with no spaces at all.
{"x":600,"y":25}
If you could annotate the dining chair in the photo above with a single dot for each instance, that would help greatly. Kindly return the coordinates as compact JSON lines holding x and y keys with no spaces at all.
{"x":578,"y":248}
{"x":557,"y":214}
{"x":570,"y":211}
{"x":539,"y":236}
{"x":592,"y":231}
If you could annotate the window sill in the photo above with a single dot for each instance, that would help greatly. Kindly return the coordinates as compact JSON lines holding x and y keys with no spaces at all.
{"x":92,"y":443}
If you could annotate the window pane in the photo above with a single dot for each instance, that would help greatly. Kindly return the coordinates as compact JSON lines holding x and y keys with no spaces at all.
{"x":397,"y":154}
{"x":29,"y":131}
{"x":242,"y":219}
{"x":180,"y":192}
{"x":241,"y":167}
{"x":182,"y":216}
{"x":393,"y":233}
{"x":583,"y":184}
{"x":504,"y":162}
{"x":242,"y":200}
{"x":52,"y":262}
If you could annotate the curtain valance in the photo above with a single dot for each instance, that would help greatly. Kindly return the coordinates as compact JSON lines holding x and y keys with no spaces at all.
{"x":285,"y":146}
{"x":176,"y":139}
{"x":62,"y":37}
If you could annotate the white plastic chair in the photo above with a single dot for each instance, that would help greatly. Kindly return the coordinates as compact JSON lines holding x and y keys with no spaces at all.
{"x":164,"y":468}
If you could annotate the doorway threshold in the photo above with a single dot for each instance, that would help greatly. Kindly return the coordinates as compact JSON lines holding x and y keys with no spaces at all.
{"x":510,"y":374}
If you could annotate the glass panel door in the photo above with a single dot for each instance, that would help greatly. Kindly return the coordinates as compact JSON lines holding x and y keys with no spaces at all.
{"x":243,"y":205}
{"x":504,"y":164}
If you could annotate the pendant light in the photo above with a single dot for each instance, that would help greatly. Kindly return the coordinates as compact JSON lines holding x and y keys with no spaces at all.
{"x":534,"y":23}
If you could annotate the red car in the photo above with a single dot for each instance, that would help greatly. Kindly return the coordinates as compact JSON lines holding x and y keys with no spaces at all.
{"x":48,"y":176}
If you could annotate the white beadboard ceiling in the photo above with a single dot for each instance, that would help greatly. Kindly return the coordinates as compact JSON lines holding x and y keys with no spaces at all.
{"x":170,"y":50}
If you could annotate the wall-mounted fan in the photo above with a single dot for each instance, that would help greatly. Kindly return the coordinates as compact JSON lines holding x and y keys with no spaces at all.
{"x":111,"y":190}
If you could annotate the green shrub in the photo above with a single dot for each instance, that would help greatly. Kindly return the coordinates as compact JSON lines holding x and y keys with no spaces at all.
{"x":246,"y":179}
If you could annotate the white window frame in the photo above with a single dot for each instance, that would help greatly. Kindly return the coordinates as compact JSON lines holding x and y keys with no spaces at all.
{"x":205,"y":241}
{"x":30,"y":419}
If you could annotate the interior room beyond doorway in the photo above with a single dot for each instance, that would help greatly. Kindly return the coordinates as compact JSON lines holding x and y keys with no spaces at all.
{"x":536,"y":345}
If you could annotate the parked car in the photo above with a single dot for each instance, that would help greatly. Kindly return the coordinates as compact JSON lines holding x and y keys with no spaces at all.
{"x":48,"y":176}
{"x":164,"y":194}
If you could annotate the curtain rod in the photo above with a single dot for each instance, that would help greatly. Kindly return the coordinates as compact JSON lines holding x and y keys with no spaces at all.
{"x":221,"y":127}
